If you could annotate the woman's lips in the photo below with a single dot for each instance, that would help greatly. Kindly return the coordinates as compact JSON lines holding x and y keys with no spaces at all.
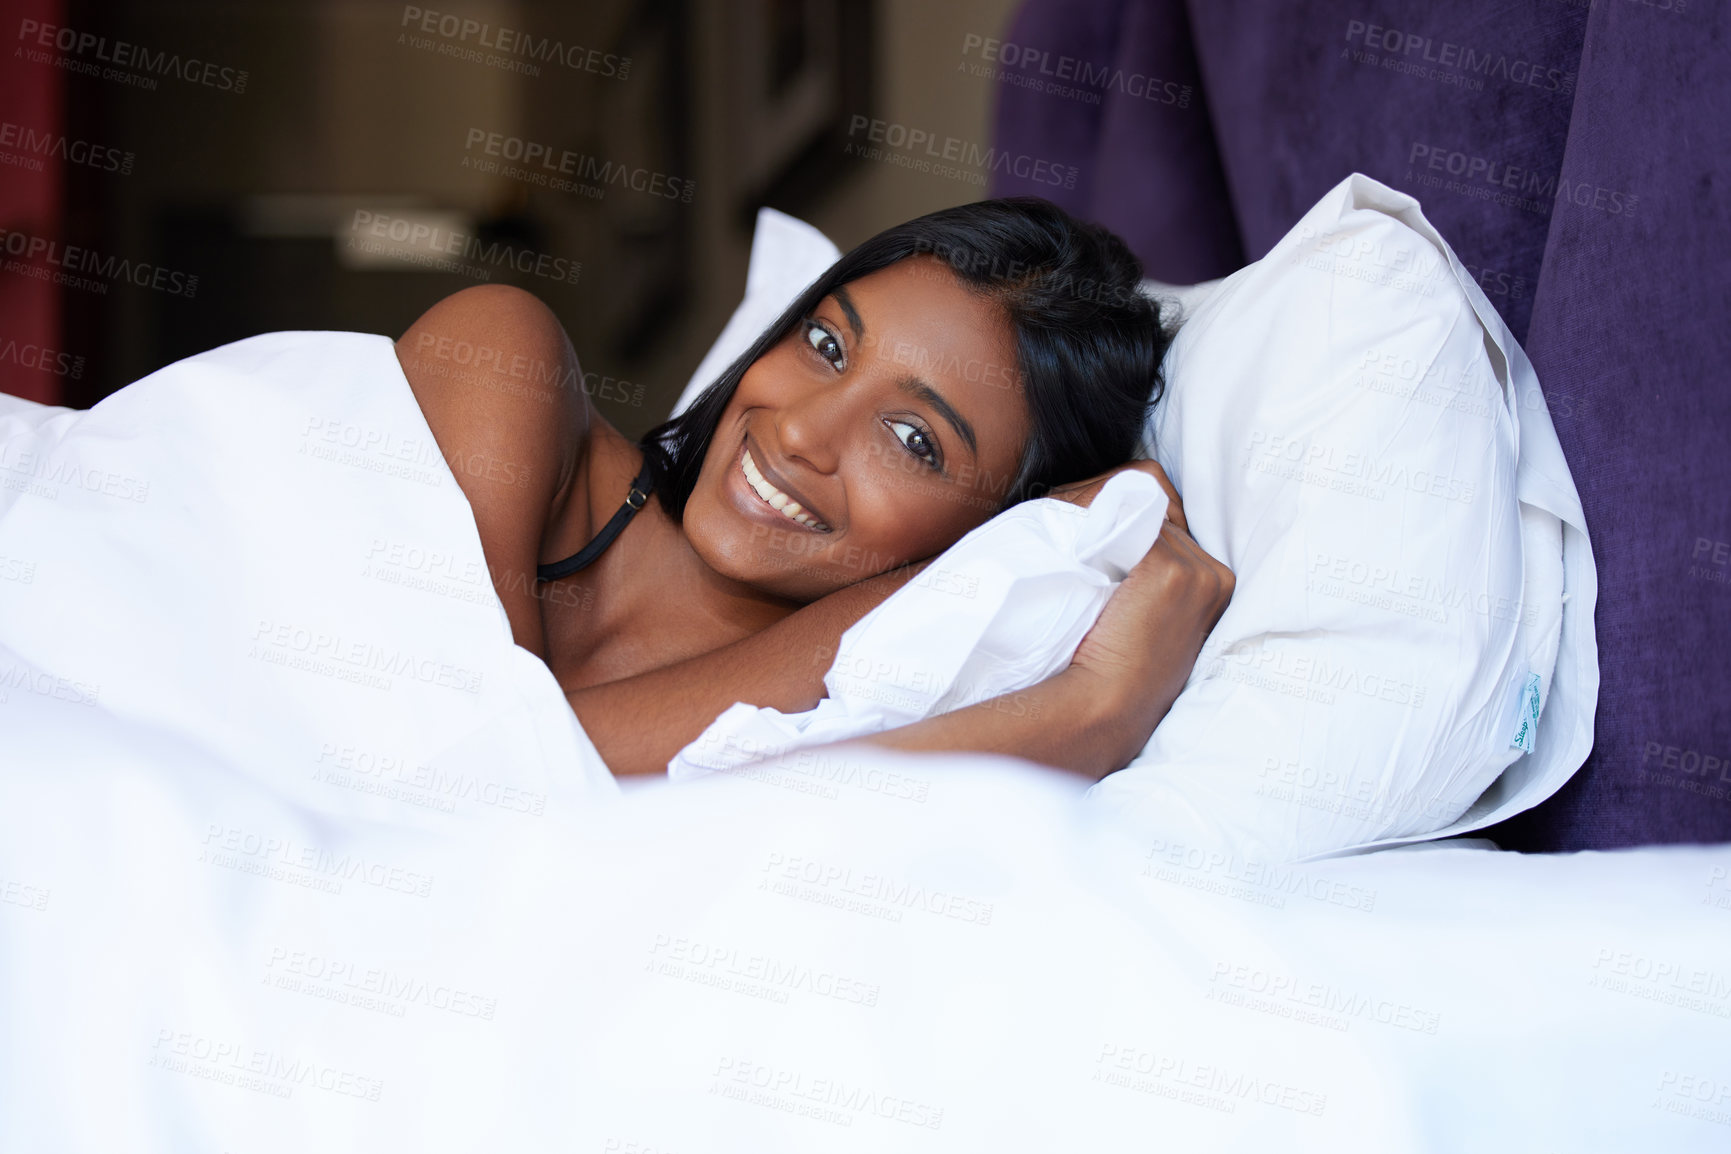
{"x":766,"y":491}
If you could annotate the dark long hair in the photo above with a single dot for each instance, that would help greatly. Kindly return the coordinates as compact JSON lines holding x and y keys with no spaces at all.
{"x":1088,"y":343}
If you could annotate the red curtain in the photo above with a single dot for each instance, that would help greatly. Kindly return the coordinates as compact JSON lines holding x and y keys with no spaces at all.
{"x":32,"y":98}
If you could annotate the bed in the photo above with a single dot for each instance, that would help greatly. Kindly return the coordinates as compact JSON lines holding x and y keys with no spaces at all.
{"x":299,"y":850}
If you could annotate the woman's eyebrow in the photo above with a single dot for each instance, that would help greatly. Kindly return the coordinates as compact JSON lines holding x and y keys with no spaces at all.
{"x":852,"y":314}
{"x":915,"y":387}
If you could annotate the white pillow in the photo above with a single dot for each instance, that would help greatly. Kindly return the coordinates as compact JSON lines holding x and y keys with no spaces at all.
{"x":1002,"y":609}
{"x":1409,"y":719}
{"x":1358,"y":437}
{"x":787,"y":254}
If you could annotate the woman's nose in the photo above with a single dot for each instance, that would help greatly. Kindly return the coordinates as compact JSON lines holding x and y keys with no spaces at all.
{"x":811,"y":426}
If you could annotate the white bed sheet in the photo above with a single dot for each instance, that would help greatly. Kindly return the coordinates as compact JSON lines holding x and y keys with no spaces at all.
{"x":881,"y":953}
{"x":253,"y":904}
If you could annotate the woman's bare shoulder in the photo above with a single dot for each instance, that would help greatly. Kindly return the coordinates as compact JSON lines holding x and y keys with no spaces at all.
{"x":500,"y":349}
{"x":498,"y":381}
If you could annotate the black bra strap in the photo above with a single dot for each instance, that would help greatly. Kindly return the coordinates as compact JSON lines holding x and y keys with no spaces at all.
{"x":634,"y":500}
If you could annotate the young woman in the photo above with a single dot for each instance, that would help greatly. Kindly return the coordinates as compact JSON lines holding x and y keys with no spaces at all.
{"x":941,"y":371}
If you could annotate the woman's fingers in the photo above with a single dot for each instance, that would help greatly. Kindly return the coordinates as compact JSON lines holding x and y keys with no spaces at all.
{"x":1083,"y":492}
{"x":1174,"y":503}
{"x":1149,"y":633}
{"x":1184,"y":568}
{"x":1206,"y":569}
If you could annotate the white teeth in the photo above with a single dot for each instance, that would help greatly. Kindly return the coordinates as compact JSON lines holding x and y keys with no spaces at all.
{"x":776,"y":499}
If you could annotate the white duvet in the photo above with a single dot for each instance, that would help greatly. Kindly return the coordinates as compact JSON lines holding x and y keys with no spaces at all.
{"x":298,"y":851}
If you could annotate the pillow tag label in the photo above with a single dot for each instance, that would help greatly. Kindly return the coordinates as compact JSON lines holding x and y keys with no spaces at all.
{"x":1527,"y":724}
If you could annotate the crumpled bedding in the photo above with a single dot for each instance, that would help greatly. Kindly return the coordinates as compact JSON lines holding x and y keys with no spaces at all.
{"x":261,"y":548}
{"x":299,"y":851}
{"x":1001,"y":610}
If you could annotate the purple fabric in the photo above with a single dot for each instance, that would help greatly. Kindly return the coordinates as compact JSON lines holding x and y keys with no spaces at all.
{"x":1631,"y":336}
{"x":1129,"y":113}
{"x":1578,"y":157}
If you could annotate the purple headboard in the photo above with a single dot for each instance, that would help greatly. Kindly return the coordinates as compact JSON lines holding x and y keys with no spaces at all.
{"x":1577,"y":156}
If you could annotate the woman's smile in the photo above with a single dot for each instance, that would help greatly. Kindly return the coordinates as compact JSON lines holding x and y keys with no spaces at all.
{"x":764,"y":497}
{"x":777,"y":497}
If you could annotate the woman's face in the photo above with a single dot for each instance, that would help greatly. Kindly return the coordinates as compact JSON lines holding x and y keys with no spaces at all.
{"x":881,"y":429}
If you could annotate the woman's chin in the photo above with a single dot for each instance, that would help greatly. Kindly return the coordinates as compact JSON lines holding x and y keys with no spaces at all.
{"x":731,"y":554}
{"x":776,"y":575}
{"x":751,"y":553}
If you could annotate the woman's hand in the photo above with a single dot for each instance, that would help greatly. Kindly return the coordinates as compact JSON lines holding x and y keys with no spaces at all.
{"x":1083,"y":492}
{"x":1145,"y":642}
{"x":1093,"y":717}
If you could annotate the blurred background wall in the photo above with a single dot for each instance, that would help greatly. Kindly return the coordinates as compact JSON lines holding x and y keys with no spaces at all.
{"x":175,"y":175}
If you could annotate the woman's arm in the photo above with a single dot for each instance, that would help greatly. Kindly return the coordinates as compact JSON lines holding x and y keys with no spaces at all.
{"x":499,"y":384}
{"x":1073,"y":720}
{"x":639,"y":723}
{"x":1093,"y":717}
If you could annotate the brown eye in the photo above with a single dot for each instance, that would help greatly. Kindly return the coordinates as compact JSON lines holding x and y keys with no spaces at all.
{"x":916,"y":441}
{"x":826,"y":344}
